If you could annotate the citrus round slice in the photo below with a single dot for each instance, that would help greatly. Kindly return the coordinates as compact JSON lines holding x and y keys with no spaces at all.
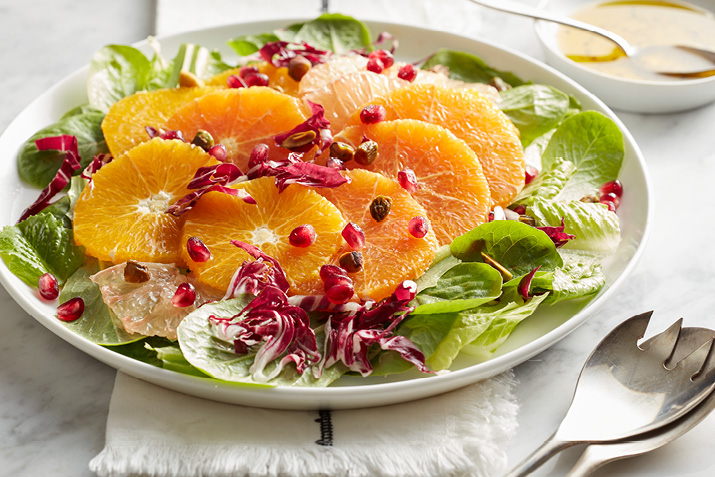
{"x":241,"y":118}
{"x":451,"y":185}
{"x":219,"y":218}
{"x":278,"y":78}
{"x":121,"y":215}
{"x":343,"y":96}
{"x":125,"y":122}
{"x":390,"y":254}
{"x":440,"y":78}
{"x":471,"y":117}
{"x":324,"y":73}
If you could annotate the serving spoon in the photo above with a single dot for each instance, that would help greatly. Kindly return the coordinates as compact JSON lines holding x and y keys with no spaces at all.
{"x":646,"y":57}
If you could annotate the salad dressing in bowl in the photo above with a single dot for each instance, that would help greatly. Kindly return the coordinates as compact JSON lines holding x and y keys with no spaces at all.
{"x":645,"y":23}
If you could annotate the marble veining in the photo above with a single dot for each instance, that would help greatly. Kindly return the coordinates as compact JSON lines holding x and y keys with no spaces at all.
{"x":54,"y":398}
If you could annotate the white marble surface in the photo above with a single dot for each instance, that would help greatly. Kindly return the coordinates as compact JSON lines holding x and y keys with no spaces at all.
{"x":54,"y":399}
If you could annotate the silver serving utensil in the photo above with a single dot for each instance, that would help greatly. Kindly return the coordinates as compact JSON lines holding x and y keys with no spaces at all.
{"x":625,"y":390}
{"x":646,"y":57}
{"x":597,"y":455}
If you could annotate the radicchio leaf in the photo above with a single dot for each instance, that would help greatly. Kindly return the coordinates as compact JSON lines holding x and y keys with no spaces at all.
{"x":279,"y":53}
{"x":383,"y":37}
{"x":278,"y":276}
{"x":525,"y":283}
{"x":557,"y":234}
{"x":316,"y":123}
{"x":293,"y":170}
{"x":99,"y":161}
{"x":67,"y":144}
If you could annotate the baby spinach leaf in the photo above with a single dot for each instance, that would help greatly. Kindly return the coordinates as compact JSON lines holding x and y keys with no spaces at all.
{"x":171,"y":357}
{"x":594,"y":144}
{"x":469,"y":68}
{"x":143,"y":350}
{"x":517,"y":246}
{"x":246,"y":45}
{"x":39,"y":167}
{"x":98,"y":324}
{"x":466,"y":285}
{"x":534,"y":109}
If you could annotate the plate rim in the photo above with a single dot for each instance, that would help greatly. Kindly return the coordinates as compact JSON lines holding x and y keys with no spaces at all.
{"x":348,"y":396}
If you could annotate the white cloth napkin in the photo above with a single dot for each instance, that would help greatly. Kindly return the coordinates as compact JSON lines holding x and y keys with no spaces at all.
{"x":153,"y":431}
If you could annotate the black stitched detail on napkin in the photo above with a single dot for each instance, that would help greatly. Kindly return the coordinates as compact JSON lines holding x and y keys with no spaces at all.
{"x":326,"y":429}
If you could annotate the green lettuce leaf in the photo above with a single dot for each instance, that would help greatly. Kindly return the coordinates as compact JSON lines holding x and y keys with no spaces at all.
{"x":98,"y":324}
{"x":39,"y":167}
{"x":516,"y":246}
{"x":468,"y":68}
{"x":218,"y":359}
{"x":594,"y":144}
{"x":580,"y":276}
{"x":464,"y":286}
{"x":172,"y":358}
{"x":596,"y":229}
{"x":549,"y":183}
{"x":535,"y":109}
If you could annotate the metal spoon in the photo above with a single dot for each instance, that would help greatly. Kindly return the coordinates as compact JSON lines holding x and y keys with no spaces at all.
{"x":647,"y":57}
{"x":597,"y":455}
{"x":626,"y":390}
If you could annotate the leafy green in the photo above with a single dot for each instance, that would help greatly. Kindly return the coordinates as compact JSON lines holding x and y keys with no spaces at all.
{"x":549,"y":183}
{"x":40,"y":244}
{"x":596,"y":229}
{"x":516,"y":246}
{"x":172,"y":358}
{"x":464,"y":286}
{"x":218,"y":358}
{"x":469,"y":68}
{"x":98,"y":324}
{"x":535,"y":109}
{"x":39,"y":167}
{"x":580,"y":276}
{"x":594,"y":144}
{"x":332,"y":31}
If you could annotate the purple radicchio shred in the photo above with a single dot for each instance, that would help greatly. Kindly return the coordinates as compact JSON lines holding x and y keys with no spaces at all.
{"x":557,"y":234}
{"x":279,"y":277}
{"x":99,"y":161}
{"x":279,"y":53}
{"x":383,"y":37}
{"x":283,"y":332}
{"x":316,"y":123}
{"x":293,"y":170}
{"x":207,"y":179}
{"x":349,"y":338}
{"x":68,"y":145}
{"x":525,"y":283}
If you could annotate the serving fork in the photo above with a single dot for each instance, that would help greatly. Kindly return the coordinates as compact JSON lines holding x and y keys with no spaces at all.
{"x":626,"y":390}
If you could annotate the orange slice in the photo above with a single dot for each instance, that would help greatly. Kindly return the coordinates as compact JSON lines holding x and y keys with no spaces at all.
{"x":471,"y":117}
{"x":125,"y":122}
{"x":442,"y":79}
{"x":121,"y":215}
{"x":343,"y":96}
{"x":452,"y":187}
{"x":241,"y":118}
{"x":219,"y":218}
{"x":278,"y":78}
{"x":390,"y":253}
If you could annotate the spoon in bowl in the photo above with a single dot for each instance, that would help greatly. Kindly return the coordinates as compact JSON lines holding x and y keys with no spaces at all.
{"x":647,"y":57}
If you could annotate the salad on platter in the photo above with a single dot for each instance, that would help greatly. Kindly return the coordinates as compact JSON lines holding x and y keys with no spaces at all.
{"x":314,"y":208}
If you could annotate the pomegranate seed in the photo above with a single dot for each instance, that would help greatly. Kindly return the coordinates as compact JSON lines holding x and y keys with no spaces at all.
{"x":244,"y":71}
{"x":373,"y":113}
{"x":384,"y":56}
{"x":375,"y":65}
{"x":491,"y":217}
{"x":185,"y":295}
{"x":610,"y":198}
{"x":530,"y":172}
{"x":234,"y":81}
{"x":219,"y":152}
{"x":354,"y":236}
{"x":418,"y":226}
{"x":519,"y":209}
{"x":335,"y":163}
{"x":612,"y":187}
{"x":198,"y":251}
{"x":338,"y":281}
{"x":302,"y":236}
{"x":259,"y":155}
{"x":408,"y":180}
{"x":258,"y":79}
{"x":407,"y":72}
{"x":406,"y":290}
{"x":340,"y":294}
{"x":71,"y":309}
{"x":49,"y":288}
{"x":328,"y":271}
{"x":172,"y":135}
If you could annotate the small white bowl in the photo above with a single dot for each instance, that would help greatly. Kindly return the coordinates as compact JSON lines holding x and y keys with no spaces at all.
{"x":640,"y":96}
